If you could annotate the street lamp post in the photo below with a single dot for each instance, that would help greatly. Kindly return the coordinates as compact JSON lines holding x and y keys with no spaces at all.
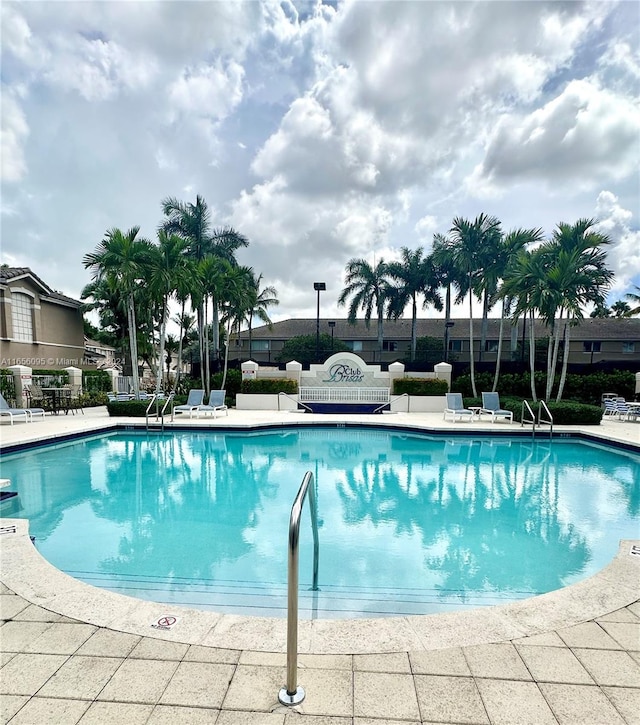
{"x":331,"y":324}
{"x":318,"y":287}
{"x":447,"y":327}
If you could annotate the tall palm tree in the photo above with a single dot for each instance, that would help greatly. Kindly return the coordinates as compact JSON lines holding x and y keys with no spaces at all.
{"x":193,"y":223}
{"x":168,"y":270}
{"x":123,"y":258}
{"x":236,"y":298}
{"x":510,"y":247}
{"x":579,"y":274}
{"x":414,"y":275}
{"x":471,"y":243}
{"x":258,"y":302}
{"x":634,"y":297}
{"x":448,"y":277}
{"x":369,"y":288}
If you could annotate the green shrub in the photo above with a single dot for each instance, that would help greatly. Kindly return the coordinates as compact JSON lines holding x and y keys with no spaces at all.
{"x":231,"y":384}
{"x":128,"y":408}
{"x":572,"y":413}
{"x":95,"y":381}
{"x":269,"y":385}
{"x":419,"y":386}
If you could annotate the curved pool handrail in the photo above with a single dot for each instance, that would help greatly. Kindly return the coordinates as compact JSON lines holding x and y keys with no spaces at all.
{"x":292,"y":694}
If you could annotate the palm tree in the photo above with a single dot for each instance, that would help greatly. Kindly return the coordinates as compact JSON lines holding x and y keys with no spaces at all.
{"x":237,"y":297}
{"x":620,"y":308}
{"x":523,"y":286}
{"x":369,"y":289}
{"x":634,"y":297}
{"x":579,"y":275}
{"x":470,"y":245}
{"x":123,"y":259}
{"x":510,"y":247}
{"x":448,"y":277}
{"x":193,"y":223}
{"x":168,"y":270}
{"x":107,"y":299}
{"x":414,"y":275}
{"x":257,"y":303}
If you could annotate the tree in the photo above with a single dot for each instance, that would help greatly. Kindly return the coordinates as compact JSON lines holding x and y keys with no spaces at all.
{"x":510,"y":247}
{"x":193,"y":223}
{"x":634,"y":297}
{"x":257,"y":303}
{"x":414,"y":275}
{"x":168,"y":270}
{"x":369,"y":288}
{"x":471,"y":245}
{"x":302,"y":348}
{"x":122,"y":258}
{"x":620,"y":308}
{"x":448,"y":277}
{"x":578,"y":274}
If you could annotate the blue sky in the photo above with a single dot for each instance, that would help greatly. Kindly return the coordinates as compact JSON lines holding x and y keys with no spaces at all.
{"x":322,"y":131}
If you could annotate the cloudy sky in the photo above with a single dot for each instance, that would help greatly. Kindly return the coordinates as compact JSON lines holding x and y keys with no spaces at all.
{"x":322,"y":131}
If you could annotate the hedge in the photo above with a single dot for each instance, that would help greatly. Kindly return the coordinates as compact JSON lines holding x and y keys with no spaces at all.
{"x":567,"y":412}
{"x":419,"y":386}
{"x":586,"y":389}
{"x":269,"y":385}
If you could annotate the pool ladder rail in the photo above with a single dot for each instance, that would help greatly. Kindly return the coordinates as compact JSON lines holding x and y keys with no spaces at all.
{"x":544,"y":417}
{"x":292,"y":693}
{"x":159,"y":414}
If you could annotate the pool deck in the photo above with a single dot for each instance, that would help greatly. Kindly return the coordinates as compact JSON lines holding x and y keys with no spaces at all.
{"x":71,"y":653}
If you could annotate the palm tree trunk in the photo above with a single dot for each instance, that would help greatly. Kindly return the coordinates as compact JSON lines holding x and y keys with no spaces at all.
{"x":163,"y":330}
{"x":554,"y":362}
{"x":565,"y":361}
{"x":471,"y":352}
{"x":201,"y":336}
{"x":380,"y":332}
{"x":532,"y":356}
{"x":414,"y":341}
{"x":179,"y":365}
{"x":485,"y":324}
{"x":133,"y":344}
{"x":497,"y":375}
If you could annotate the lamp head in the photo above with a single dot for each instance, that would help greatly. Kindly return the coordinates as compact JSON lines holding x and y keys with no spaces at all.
{"x":319,"y":286}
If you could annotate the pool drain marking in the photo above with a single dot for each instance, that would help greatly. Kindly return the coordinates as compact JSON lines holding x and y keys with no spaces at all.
{"x":165,"y":623}
{"x":8,"y":530}
{"x":635,"y":550}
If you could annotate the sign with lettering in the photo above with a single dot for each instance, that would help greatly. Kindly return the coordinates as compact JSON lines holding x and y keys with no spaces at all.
{"x":344,"y":373}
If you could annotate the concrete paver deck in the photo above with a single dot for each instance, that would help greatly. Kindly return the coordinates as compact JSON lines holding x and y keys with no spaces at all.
{"x":73,"y":654}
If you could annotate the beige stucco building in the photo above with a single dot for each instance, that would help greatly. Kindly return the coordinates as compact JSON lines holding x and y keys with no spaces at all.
{"x":39,"y":327}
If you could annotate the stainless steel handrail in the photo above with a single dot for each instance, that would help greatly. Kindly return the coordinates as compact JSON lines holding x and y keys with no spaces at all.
{"x":295,"y":400}
{"x":292,"y":693}
{"x":159,"y":413}
{"x":531,"y":420}
{"x":392,"y":400}
{"x":549,"y":421}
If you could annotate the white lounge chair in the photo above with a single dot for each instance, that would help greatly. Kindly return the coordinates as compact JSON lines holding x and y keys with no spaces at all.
{"x":455,"y":408}
{"x":491,"y":406}
{"x":215,"y":405}
{"x":194,"y":400}
{"x":7,"y":410}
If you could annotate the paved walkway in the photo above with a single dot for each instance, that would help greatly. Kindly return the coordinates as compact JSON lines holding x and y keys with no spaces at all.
{"x":57,"y":668}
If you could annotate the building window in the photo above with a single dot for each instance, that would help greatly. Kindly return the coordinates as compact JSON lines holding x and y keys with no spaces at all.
{"x":260,"y":345}
{"x":491,"y":346}
{"x":354,"y":345}
{"x":591,"y":346}
{"x":455,"y":345}
{"x":628,"y":347}
{"x":389,"y":346}
{"x":21,"y":317}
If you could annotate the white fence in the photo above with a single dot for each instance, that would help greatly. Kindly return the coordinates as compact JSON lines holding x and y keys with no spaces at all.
{"x":344,"y":395}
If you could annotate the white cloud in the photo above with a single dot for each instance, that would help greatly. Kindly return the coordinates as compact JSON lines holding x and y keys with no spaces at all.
{"x":211,"y":91}
{"x":624,"y":252}
{"x":586,"y":133}
{"x":15,"y":131}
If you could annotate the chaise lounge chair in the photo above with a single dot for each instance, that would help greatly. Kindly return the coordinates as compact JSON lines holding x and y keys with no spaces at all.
{"x":216,"y":404}
{"x":491,"y":406}
{"x":194,"y":400}
{"x":455,"y":408}
{"x":18,"y":413}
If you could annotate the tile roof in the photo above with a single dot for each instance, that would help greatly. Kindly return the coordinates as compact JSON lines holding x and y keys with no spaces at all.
{"x":611,"y":328}
{"x":11,"y":273}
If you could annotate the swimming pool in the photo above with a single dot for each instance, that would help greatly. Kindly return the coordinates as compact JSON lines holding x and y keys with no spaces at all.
{"x":408,"y":523}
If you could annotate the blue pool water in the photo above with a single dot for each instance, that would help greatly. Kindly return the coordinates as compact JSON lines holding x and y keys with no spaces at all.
{"x":407,"y":523}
